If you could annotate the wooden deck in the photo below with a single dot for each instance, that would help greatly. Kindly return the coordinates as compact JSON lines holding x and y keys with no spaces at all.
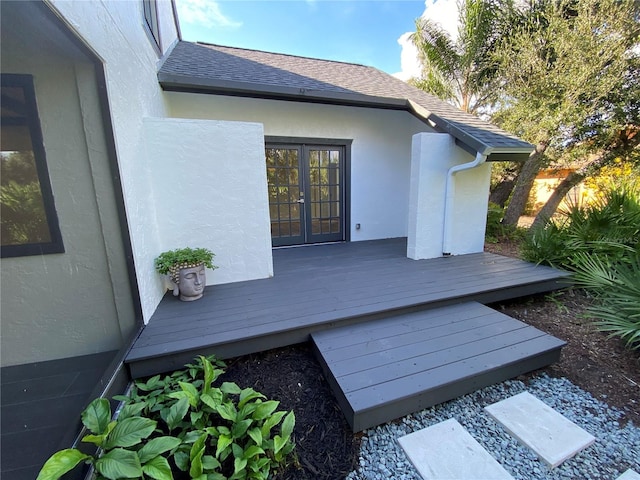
{"x":321,"y":287}
{"x":388,"y":368}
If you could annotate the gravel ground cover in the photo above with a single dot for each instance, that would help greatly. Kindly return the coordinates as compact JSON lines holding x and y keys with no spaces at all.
{"x":617,"y":446}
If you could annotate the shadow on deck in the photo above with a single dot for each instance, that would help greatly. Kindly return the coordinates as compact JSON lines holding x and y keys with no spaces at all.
{"x":318,"y":288}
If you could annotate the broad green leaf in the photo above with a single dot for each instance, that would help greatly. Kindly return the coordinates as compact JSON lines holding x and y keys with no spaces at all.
{"x":192,"y":393}
{"x":121,"y":398}
{"x":238,"y":465}
{"x":98,"y":440}
{"x":216,"y":476}
{"x":265,"y":409}
{"x":131,"y":410}
{"x":247,"y":410}
{"x":119,"y":463}
{"x":224,"y":430}
{"x":182,"y":460}
{"x":198,"y":445}
{"x":129,"y":432}
{"x":195,"y":416}
{"x":252,"y":451}
{"x":177,"y":412}
{"x":154,"y":382}
{"x":271,"y":422}
{"x":157,"y":446}
{"x":223,"y":442}
{"x":209,"y":462}
{"x":97,"y":415}
{"x":256,"y":435}
{"x":278,"y":443}
{"x":230,"y":388}
{"x":227,"y":411}
{"x":158,"y":468}
{"x":178,"y":395}
{"x":208,"y":375}
{"x":288,"y":424}
{"x":212,"y":399}
{"x":196,"y":463}
{"x":240,"y":428}
{"x":60,"y":463}
{"x":247,"y":395}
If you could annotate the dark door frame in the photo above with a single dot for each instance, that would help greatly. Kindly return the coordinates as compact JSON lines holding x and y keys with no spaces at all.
{"x":306,"y":142}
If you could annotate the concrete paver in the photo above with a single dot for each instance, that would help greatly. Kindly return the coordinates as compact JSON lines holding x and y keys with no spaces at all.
{"x":447,"y":451}
{"x":553,"y":437}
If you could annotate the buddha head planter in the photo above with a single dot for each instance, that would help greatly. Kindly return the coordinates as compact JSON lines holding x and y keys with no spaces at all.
{"x":185,"y":269}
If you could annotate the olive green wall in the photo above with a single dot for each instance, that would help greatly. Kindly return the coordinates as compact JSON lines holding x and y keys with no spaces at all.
{"x":79,"y":302}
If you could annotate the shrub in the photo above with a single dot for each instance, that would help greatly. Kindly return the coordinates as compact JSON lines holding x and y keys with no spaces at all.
{"x":600,"y":242}
{"x":616,"y":286}
{"x":183,"y":423}
{"x":495,"y":229}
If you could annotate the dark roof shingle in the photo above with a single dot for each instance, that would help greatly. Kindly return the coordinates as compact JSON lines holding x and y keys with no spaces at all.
{"x":235,"y":71}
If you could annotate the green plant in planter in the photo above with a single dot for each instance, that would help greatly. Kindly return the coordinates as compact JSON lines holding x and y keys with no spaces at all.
{"x":183,"y":424}
{"x":169,"y":262}
{"x":126,"y":449}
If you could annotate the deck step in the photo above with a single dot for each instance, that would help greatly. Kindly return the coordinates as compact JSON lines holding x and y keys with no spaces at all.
{"x":387,"y":368}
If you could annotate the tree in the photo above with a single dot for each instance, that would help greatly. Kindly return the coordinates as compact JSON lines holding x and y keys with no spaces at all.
{"x":462,"y":71}
{"x":571,"y":85}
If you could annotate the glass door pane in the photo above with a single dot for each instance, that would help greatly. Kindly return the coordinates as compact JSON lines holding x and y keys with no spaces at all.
{"x":286,"y":196}
{"x":324,"y":201}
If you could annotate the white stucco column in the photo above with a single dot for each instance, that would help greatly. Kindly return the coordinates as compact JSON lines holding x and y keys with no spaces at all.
{"x":432,"y":154}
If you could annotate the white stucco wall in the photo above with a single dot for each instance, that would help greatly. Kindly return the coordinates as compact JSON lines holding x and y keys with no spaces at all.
{"x":115,"y":31}
{"x":380,"y":152}
{"x":432,"y":156}
{"x":210,"y":190}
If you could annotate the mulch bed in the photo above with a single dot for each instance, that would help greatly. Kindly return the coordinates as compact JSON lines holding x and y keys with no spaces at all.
{"x":327,"y":449}
{"x":325,"y":446}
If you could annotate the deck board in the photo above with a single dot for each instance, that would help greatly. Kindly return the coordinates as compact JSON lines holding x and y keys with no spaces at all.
{"x":318,"y":287}
{"x":384,"y":374}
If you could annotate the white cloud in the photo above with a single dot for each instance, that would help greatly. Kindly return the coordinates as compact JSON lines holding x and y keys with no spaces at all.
{"x":444,"y":12}
{"x":206,"y":13}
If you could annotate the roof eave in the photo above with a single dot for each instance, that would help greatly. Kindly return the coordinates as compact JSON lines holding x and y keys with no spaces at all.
{"x":187,"y":83}
{"x":190,"y":83}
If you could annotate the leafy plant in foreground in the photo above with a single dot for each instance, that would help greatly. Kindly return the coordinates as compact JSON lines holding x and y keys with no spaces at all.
{"x":125,"y":452}
{"x":617,"y":288}
{"x":184,"y":424}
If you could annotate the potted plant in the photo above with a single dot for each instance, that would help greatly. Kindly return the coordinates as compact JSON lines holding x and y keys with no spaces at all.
{"x":185,"y":268}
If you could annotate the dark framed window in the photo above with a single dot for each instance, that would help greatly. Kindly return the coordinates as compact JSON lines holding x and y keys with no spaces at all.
{"x":28,"y":219}
{"x":150,"y":11}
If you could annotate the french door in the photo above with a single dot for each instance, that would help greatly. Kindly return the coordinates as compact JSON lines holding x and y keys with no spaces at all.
{"x":306,"y":193}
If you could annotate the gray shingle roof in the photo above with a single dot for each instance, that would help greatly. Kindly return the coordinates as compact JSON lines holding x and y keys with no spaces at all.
{"x":234,"y":71}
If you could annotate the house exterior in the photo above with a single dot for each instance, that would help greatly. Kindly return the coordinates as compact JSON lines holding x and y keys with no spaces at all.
{"x":139,"y":142}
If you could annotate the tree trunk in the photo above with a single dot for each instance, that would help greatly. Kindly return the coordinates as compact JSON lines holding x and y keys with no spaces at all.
{"x":524,"y":183}
{"x":549,"y":208}
{"x":501,"y":193}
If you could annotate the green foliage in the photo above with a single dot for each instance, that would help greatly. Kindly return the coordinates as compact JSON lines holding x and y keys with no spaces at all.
{"x":600,"y":242}
{"x":616,"y":286}
{"x":496,"y":230}
{"x":166,"y":262}
{"x":22,"y":216}
{"x":463,"y":70}
{"x":184,"y":422}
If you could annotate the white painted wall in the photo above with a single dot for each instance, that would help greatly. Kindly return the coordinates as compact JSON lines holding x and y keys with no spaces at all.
{"x":432,"y":156}
{"x":380,"y":152}
{"x":115,"y":31}
{"x":210,"y":190}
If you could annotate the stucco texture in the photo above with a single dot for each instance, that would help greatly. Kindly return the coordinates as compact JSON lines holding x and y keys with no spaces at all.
{"x":210,"y":190}
{"x":380,"y":152}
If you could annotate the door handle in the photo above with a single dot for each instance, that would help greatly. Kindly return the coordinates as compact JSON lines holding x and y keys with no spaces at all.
{"x":300,"y":200}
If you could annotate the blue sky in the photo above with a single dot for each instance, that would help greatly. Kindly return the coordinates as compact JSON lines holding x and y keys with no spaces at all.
{"x":365,"y":32}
